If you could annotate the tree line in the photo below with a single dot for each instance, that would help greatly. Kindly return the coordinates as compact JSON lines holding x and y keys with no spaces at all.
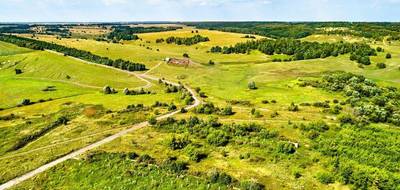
{"x":300,"y":50}
{"x":128,"y":33}
{"x":372,"y":30}
{"x":67,"y":51}
{"x":184,"y":41}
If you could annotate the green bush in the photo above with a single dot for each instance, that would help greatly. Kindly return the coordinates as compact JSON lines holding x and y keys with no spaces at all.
{"x":293,"y":107}
{"x":252,"y":85}
{"x":286,"y":148}
{"x":325,"y":178}
{"x":221,"y":178}
{"x":152,"y":120}
{"x":174,"y":166}
{"x":381,"y":65}
{"x":251,"y":185}
{"x":218,"y":138}
{"x":178,"y":143}
{"x":197,"y":155}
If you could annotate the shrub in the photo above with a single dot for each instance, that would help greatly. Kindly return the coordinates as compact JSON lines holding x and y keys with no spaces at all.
{"x":172,"y":107}
{"x":286,"y":148}
{"x":183,"y":110}
{"x":178,"y":143}
{"x":109,"y":90}
{"x":325,"y":177}
{"x":185,"y":55}
{"x":252,"y":85}
{"x":293,"y":107}
{"x":227,"y":111}
{"x":132,"y":155}
{"x":26,"y":102}
{"x":388,"y":56}
{"x":220,"y":177}
{"x":265,"y":102}
{"x":251,"y":185}
{"x":274,"y":114}
{"x":152,"y":120}
{"x":197,"y":155}
{"x":381,"y":65}
{"x":211,"y":62}
{"x":218,"y":138}
{"x":175,"y":166}
{"x":18,"y":71}
{"x":146,"y":159}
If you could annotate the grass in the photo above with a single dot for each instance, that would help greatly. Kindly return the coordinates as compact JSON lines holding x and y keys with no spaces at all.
{"x":50,"y":66}
{"x":223,"y":82}
{"x":10,"y":49}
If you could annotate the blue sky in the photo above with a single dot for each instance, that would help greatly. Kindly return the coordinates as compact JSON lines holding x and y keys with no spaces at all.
{"x":198,"y":10}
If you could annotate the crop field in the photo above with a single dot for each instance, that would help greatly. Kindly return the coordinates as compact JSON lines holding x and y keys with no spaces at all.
{"x":257,"y":120}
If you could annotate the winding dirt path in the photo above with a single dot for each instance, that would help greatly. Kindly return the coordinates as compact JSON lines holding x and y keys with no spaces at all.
{"x":106,"y":140}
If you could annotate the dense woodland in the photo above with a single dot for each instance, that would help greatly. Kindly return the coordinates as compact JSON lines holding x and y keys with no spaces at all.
{"x":302,"y":50}
{"x":184,"y":41}
{"x":371,"y":30}
{"x":371,"y":102}
{"x":128,"y":33}
{"x":67,"y":51}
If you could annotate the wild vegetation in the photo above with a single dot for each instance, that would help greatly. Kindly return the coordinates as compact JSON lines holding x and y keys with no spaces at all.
{"x":85,"y":55}
{"x":261,"y":124}
{"x":302,"y":50}
{"x":184,"y":41}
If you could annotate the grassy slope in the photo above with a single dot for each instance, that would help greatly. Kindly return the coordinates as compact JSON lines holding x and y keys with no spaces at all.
{"x":10,"y":49}
{"x":227,"y":80}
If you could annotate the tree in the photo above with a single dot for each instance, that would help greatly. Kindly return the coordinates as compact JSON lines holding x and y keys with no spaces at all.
{"x":252,"y":85}
{"x":107,"y":90}
{"x":286,"y":148}
{"x":365,"y":60}
{"x":18,"y":71}
{"x":388,"y":56}
{"x":152,"y":120}
{"x":126,"y":91}
{"x":218,"y":138}
{"x":185,"y":55}
{"x":26,"y":102}
{"x":293,"y":107}
{"x":227,"y":111}
{"x":381,"y":65}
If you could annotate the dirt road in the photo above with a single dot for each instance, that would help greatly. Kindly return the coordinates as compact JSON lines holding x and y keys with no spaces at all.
{"x":51,"y":164}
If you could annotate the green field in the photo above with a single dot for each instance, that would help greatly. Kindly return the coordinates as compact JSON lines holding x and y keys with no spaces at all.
{"x":262,"y":130}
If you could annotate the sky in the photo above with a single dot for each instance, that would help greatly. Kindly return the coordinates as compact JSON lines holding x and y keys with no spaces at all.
{"x":198,"y":10}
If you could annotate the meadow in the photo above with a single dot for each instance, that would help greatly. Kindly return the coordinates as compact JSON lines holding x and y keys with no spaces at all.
{"x":265,"y":124}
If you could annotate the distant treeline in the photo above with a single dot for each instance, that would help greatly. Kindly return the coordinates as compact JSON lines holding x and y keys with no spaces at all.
{"x":16,"y":28}
{"x":67,"y":51}
{"x":128,"y":33}
{"x":302,"y":29}
{"x":184,"y":41}
{"x":300,"y":50}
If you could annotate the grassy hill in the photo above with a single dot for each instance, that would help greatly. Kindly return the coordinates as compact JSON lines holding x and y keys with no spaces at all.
{"x":279,"y":135}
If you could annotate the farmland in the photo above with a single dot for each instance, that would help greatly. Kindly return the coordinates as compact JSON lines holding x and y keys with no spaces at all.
{"x":261,"y":123}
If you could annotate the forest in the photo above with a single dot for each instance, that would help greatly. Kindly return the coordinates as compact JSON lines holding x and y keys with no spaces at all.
{"x":372,"y":30}
{"x":128,"y":33}
{"x":184,"y":41}
{"x":302,"y":50}
{"x":67,"y":51}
